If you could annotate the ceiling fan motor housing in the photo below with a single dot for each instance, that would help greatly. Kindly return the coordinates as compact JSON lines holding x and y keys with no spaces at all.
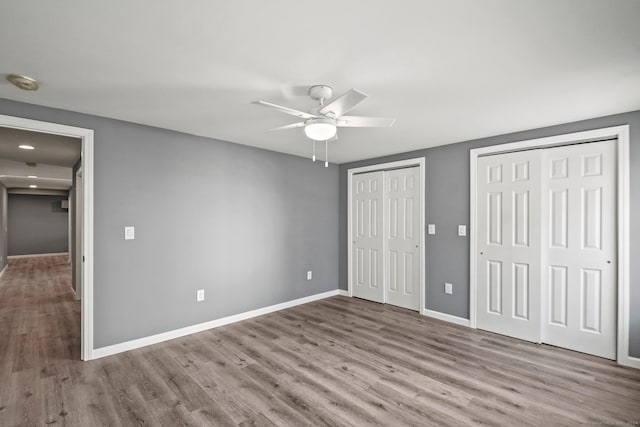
{"x":320,"y":92}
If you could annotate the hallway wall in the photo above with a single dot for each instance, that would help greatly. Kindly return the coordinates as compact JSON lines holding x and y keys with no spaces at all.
{"x":37,"y":225}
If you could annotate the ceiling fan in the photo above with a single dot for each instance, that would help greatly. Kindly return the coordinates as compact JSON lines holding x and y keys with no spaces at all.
{"x":321,"y":123}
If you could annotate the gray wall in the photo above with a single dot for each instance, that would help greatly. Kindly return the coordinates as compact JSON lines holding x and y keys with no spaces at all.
{"x":37,"y":225}
{"x":242,"y":223}
{"x":4,"y":243}
{"x":447,"y":205}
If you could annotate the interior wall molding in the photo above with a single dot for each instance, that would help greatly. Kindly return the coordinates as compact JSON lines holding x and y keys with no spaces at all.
{"x":37,"y":255}
{"x":200,"y":327}
{"x":446,"y":317}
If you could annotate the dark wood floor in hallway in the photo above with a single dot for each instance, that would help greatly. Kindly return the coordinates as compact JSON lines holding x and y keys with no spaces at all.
{"x":338,"y":361}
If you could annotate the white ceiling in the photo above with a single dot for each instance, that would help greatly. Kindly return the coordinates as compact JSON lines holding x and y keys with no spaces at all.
{"x":447,"y":70}
{"x":53,"y":155}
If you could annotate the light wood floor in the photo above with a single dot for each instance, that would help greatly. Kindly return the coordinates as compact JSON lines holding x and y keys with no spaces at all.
{"x":339,"y":361}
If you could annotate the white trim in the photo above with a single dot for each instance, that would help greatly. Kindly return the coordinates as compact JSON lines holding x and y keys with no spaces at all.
{"x":86,"y":135}
{"x":446,"y":317}
{"x":78,"y":206}
{"x":418,"y":161}
{"x":87,"y":246}
{"x":621,"y":133}
{"x":624,"y":254}
{"x":188,"y":330}
{"x":473,"y":244}
{"x":343,"y":293}
{"x":37,"y":255}
{"x":632,"y":362}
{"x":3,"y":269}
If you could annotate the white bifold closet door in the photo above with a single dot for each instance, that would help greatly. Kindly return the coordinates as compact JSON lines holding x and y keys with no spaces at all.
{"x":580,"y":263}
{"x":386,"y":236}
{"x":547,"y":241}
{"x":509,"y":237}
{"x":367,"y":233}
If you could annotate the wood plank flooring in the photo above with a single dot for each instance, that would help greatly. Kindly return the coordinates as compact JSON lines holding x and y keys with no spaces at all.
{"x":338,"y":361}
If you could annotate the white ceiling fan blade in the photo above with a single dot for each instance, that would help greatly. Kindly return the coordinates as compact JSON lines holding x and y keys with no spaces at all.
{"x":293,"y":126}
{"x":343,"y":104}
{"x":287,"y":110}
{"x":364,"y":122}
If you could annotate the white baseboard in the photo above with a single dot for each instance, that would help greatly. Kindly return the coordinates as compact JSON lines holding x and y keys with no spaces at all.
{"x":188,"y":330}
{"x":343,"y":292}
{"x":446,"y":317}
{"x":632,"y":362}
{"x":37,"y":255}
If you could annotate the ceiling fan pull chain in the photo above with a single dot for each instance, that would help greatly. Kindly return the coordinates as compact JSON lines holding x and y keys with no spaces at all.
{"x":326,"y":154}
{"x":313,"y":158}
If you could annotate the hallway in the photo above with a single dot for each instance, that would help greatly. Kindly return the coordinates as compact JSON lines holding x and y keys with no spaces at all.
{"x":40,"y":333}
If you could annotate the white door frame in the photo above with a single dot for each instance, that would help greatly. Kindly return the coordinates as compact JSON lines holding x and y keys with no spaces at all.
{"x":419,"y":162}
{"x":86,"y":135}
{"x":621,"y":133}
{"x":78,"y":230}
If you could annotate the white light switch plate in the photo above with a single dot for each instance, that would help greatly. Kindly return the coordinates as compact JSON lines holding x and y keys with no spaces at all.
{"x":448,"y":288}
{"x":200,"y":295}
{"x":129,"y":233}
{"x":462,"y":230}
{"x":309,"y":275}
{"x":431,"y":229}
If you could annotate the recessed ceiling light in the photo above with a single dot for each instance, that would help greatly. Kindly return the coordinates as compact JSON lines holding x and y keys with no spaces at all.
{"x":23,"y":82}
{"x":33,"y":186}
{"x":31,"y":176}
{"x":26,"y":147}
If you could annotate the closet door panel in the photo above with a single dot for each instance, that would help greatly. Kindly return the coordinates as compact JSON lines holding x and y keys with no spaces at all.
{"x":508,"y":230}
{"x":579,"y":248}
{"x":367,"y":226}
{"x":402,"y":237}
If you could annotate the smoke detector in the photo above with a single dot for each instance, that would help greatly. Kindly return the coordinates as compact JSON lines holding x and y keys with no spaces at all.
{"x":23,"y":82}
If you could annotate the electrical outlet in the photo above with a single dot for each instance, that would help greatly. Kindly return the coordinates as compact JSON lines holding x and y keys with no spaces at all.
{"x":200,"y":295}
{"x":462,"y":230}
{"x":448,"y":288}
{"x":431,"y":229}
{"x":309,"y":275}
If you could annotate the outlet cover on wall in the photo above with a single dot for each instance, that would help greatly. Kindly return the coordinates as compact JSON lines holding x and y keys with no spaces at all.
{"x":431,"y":229}
{"x":448,"y":288}
{"x":200,"y":295}
{"x":462,"y":230}
{"x":309,"y":275}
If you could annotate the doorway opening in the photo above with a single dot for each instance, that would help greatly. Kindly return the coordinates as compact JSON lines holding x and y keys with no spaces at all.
{"x":81,"y":245}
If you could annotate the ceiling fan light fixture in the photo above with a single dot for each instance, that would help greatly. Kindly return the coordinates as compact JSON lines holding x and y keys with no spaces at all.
{"x":320,"y":129}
